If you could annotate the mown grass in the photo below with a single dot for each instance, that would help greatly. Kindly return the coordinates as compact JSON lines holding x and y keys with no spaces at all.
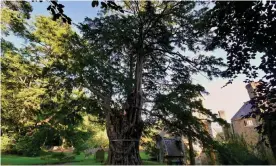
{"x":79,"y":160}
{"x":20,"y":160}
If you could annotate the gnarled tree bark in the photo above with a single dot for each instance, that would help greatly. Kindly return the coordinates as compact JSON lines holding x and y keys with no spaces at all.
{"x":124,"y":128}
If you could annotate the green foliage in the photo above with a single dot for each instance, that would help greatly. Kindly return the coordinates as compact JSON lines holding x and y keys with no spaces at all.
{"x":78,"y":139}
{"x":62,"y":157}
{"x":182,"y":105}
{"x":98,"y":137}
{"x":21,"y":93}
{"x":167,"y":73}
{"x":13,"y":17}
{"x":40,"y":100}
{"x":59,"y":77}
{"x":148,"y":142}
{"x":238,"y":152}
{"x":150,"y":148}
{"x":28,"y":146}
{"x":245,"y":30}
{"x":7,"y":144}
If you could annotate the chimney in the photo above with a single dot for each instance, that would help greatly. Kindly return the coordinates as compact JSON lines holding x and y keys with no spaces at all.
{"x":222,"y":114}
{"x":208,"y":127}
{"x":250,"y":88}
{"x":224,"y":128}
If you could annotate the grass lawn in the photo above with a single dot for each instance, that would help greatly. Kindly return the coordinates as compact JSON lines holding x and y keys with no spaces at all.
{"x":79,"y":160}
{"x":19,"y":160}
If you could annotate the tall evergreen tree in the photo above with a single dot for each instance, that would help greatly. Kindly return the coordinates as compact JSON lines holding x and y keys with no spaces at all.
{"x":122,"y":67}
{"x":143,"y":51}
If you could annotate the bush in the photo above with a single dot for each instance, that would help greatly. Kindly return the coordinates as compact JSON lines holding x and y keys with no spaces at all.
{"x":78,"y":140}
{"x":28,"y":146}
{"x":150,"y":149}
{"x":7,"y":144}
{"x":100,"y":139}
{"x":148,"y":143}
{"x":237,"y":152}
{"x":59,"y":156}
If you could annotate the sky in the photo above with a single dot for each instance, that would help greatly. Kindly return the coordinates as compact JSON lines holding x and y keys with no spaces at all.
{"x":229,"y":99}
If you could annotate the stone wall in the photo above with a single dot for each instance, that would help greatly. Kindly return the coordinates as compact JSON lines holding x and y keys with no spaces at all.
{"x":248,"y":132}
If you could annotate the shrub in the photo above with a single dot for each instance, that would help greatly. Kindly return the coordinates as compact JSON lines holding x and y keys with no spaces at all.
{"x":59,"y":156}
{"x":150,"y":149}
{"x":7,"y":144}
{"x":100,"y":139}
{"x":28,"y":146}
{"x":148,"y":143}
{"x":237,"y":152}
{"x":78,"y":140}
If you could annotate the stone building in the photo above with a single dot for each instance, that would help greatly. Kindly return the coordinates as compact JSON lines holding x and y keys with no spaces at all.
{"x":246,"y":126}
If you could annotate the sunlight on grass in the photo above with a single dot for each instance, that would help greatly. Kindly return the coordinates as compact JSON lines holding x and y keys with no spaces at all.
{"x":79,"y":160}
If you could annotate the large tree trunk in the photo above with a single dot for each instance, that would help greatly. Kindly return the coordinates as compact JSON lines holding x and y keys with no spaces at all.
{"x":124,"y":128}
{"x":123,"y":141}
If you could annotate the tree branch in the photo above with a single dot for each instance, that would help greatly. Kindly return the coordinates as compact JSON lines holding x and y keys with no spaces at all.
{"x":106,"y":100}
{"x":193,"y":64}
{"x":160,"y":67}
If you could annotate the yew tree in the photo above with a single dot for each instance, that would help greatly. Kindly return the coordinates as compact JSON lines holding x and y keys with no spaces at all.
{"x":136,"y":68}
{"x":133,"y":68}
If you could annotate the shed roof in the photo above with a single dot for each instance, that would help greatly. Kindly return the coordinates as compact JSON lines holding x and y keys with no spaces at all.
{"x":173,"y":147}
{"x":244,"y":110}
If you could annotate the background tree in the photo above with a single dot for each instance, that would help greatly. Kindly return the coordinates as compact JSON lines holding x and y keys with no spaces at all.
{"x":148,"y":66}
{"x":41,"y":99}
{"x":245,"y":30}
{"x":237,"y":151}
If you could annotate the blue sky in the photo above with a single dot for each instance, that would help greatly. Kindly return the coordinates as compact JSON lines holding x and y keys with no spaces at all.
{"x":229,"y":99}
{"x":77,"y":11}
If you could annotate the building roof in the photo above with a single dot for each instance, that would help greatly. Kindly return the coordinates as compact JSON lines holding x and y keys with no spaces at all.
{"x":172,"y":146}
{"x":244,"y":110}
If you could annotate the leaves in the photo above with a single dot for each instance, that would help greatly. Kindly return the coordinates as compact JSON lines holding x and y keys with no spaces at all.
{"x":49,"y":7}
{"x":95,"y":3}
{"x":166,"y":73}
{"x":104,"y":5}
{"x":14,"y":15}
{"x":39,"y":95}
{"x":242,"y":30}
{"x":95,"y":72}
{"x":57,"y":12}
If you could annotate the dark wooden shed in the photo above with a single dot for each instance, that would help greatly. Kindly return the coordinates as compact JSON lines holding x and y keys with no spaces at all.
{"x":171,"y":150}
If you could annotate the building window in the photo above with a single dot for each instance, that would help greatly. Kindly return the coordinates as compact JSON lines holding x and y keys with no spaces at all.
{"x":248,"y":123}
